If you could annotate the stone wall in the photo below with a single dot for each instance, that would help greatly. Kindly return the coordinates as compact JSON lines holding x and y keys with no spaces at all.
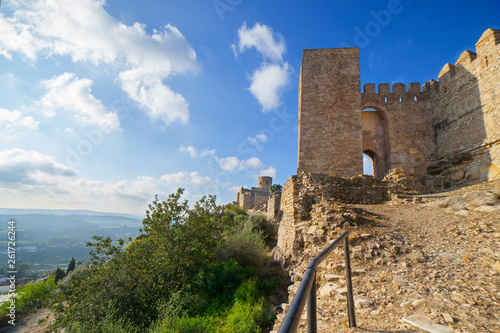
{"x":274,"y":207}
{"x":406,"y":141}
{"x":289,"y":208}
{"x":466,"y":103}
{"x":301,"y":193}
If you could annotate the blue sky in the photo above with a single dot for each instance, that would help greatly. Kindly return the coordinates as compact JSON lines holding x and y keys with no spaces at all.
{"x":104,"y":104}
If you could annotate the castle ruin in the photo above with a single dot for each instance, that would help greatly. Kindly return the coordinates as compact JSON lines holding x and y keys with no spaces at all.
{"x":256,"y":196}
{"x":447,"y":129}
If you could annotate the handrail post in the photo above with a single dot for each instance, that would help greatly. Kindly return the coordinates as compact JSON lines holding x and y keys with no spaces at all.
{"x":312,"y":326}
{"x":308,"y":287}
{"x":350,"y":298}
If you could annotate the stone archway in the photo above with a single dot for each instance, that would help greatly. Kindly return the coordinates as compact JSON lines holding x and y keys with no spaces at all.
{"x":376,"y":140}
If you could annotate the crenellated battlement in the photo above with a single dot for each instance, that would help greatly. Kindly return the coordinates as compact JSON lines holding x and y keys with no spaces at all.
{"x":473,"y":63}
{"x":399,"y":93}
{"x":468,"y":66}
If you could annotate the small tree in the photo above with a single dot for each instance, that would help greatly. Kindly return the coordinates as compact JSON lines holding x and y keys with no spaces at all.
{"x":59,"y":274}
{"x":275,"y":189}
{"x":71,"y":265}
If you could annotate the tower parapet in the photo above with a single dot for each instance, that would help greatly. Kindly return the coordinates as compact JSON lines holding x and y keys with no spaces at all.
{"x":398,"y":93}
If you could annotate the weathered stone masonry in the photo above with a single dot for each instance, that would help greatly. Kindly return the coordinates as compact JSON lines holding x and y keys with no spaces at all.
{"x":412,"y":128}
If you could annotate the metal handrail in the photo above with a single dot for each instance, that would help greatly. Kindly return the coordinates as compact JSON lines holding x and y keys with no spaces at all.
{"x":308,"y":287}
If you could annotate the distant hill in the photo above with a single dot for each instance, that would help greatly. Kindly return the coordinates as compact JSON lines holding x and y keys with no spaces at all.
{"x":47,"y":238}
{"x":62,"y":212}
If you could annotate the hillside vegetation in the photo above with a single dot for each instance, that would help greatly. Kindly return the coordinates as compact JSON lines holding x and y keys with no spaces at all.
{"x":193,"y":269}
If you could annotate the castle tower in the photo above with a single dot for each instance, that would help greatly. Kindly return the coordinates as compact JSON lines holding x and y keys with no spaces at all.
{"x":330,"y":131}
{"x":265,"y":182}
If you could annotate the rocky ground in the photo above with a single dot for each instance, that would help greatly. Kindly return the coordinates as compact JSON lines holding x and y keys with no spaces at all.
{"x":33,"y":323}
{"x":433,"y":258}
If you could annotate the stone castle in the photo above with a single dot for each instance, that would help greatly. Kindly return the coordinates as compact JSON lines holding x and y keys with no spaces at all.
{"x":256,"y":196}
{"x":438,"y":134}
{"x":445,"y":130}
{"x":442,"y":133}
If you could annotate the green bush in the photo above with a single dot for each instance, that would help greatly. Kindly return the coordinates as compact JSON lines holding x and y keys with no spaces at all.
{"x":65,"y":283}
{"x":108,"y":324}
{"x":268,"y":229}
{"x":249,"y":291}
{"x":244,"y":317}
{"x":31,"y":296}
{"x":243,"y":244}
{"x":237,"y":210}
{"x":217,"y":284}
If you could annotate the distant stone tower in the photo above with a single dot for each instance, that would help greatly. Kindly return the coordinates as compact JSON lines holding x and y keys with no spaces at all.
{"x":265,"y":182}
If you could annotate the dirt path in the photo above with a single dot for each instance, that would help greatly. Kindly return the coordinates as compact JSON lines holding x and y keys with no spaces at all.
{"x":30,"y":324}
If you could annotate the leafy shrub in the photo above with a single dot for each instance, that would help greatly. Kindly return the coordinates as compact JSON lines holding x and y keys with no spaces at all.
{"x":179,"y":241}
{"x":243,"y":244}
{"x":268,"y":229}
{"x":196,"y":324}
{"x":30,"y":296}
{"x":64,"y":284}
{"x":244,"y":317}
{"x":237,"y":210}
{"x":59,"y":275}
{"x":218,"y":282}
{"x":109,"y":324}
{"x":249,"y":291}
{"x":185,"y":273}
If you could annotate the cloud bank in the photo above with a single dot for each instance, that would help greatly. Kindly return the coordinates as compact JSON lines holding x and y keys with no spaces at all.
{"x":85,"y":32}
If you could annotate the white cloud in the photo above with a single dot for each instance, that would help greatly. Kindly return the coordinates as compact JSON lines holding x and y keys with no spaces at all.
{"x":190,"y":149}
{"x":30,"y":179}
{"x":69,"y":93}
{"x":269,"y":171}
{"x":16,"y":37}
{"x":140,"y":189}
{"x":229,"y":163}
{"x":269,"y":81}
{"x":84,"y":31}
{"x":186,"y":178}
{"x":259,"y":138}
{"x":261,"y":37}
{"x":235,"y":189}
{"x":234,"y":164}
{"x":159,"y":101}
{"x":28,"y":167}
{"x":197,"y":180}
{"x":207,"y":152}
{"x":13,"y":124}
{"x":194,"y":152}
